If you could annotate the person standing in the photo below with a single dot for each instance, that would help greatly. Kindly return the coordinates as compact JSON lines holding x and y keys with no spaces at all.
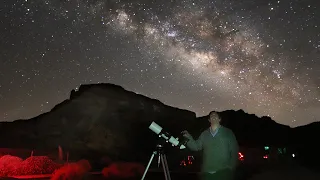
{"x":220,"y":150}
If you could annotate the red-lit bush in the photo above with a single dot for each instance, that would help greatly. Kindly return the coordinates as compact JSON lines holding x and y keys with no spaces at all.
{"x":38,"y":165}
{"x":85,"y":164}
{"x":123,"y":170}
{"x":69,"y":171}
{"x":9,"y":165}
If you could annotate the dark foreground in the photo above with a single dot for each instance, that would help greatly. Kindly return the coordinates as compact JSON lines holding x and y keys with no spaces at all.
{"x":98,"y":176}
{"x":293,"y":174}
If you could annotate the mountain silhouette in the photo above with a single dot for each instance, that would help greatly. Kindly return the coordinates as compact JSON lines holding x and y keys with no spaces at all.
{"x":106,"y":119}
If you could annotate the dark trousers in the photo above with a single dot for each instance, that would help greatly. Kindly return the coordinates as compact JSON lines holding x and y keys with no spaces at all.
{"x":219,"y":175}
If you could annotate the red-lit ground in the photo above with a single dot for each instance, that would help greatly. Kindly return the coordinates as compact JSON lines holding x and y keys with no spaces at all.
{"x":293,"y":174}
{"x":43,"y":168}
{"x":274,"y":175}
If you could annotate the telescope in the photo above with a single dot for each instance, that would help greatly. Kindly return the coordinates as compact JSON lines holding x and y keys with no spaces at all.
{"x":169,"y":138}
{"x":160,"y":152}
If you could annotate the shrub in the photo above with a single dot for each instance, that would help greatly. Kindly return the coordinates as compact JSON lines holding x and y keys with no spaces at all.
{"x":69,"y":171}
{"x":9,"y":165}
{"x":38,"y":165}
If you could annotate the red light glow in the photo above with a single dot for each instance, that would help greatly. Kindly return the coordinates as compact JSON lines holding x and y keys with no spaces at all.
{"x":187,"y":162}
{"x":76,"y":170}
{"x":241,"y":156}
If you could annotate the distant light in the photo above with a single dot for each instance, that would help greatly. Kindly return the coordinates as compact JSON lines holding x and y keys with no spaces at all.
{"x":190,"y":158}
{"x":187,"y":161}
{"x":241,"y":157}
{"x":293,"y":155}
{"x":266,"y":148}
{"x":265,"y":157}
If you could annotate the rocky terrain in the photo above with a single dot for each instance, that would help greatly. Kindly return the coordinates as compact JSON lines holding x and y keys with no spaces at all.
{"x":97,"y":119}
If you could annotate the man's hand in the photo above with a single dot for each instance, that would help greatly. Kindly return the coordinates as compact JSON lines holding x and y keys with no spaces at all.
{"x":187,"y":135}
{"x":192,"y":144}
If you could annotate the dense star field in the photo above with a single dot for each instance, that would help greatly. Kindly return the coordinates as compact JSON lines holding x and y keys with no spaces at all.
{"x":261,"y":56}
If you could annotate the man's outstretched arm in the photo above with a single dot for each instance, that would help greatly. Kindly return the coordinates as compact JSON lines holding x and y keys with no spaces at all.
{"x":195,"y":145}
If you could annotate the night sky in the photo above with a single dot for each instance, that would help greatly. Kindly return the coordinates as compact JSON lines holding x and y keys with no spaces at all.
{"x":262,"y":56}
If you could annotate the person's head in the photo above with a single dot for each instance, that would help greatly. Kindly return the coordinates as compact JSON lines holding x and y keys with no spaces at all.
{"x":214,"y":118}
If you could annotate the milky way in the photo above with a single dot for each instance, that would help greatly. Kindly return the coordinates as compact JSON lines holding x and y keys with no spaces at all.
{"x":259,"y":56}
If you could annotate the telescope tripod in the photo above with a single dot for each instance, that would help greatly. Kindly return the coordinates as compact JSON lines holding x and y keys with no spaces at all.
{"x":161,"y":159}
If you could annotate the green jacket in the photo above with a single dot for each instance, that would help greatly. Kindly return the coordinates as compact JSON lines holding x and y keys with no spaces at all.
{"x":219,"y":152}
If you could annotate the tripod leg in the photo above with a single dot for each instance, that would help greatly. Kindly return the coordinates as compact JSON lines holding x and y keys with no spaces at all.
{"x":147,"y":168}
{"x":159,"y":160}
{"x":165,"y":167}
{"x":166,"y":164}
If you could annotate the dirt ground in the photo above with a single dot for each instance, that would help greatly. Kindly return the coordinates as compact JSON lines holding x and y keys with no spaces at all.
{"x":296,"y":173}
{"x":278,"y":173}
